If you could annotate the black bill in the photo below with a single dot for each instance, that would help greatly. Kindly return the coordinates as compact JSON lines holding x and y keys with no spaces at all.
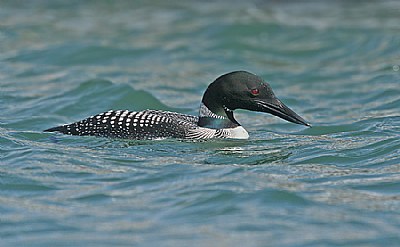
{"x":277,"y":108}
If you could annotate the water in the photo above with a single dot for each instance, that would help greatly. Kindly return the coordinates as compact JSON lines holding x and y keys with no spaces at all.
{"x":335,"y":63}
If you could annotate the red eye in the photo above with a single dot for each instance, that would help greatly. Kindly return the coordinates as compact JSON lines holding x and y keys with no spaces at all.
{"x":254,"y":91}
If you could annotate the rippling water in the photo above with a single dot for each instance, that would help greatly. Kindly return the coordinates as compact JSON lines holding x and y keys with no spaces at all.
{"x":335,"y":63}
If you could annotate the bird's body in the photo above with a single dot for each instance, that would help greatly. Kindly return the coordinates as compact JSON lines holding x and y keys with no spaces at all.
{"x":238,"y":89}
{"x":148,"y":124}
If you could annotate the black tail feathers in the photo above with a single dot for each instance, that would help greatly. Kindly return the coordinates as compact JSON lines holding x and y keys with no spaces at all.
{"x":62,"y":129}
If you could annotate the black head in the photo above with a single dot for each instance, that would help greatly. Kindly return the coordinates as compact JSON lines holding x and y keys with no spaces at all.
{"x":243,"y":90}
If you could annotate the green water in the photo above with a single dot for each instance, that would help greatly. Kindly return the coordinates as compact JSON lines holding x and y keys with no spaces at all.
{"x":333,"y":62}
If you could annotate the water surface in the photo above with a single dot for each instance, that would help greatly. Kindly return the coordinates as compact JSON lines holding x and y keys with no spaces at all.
{"x":335,"y":184}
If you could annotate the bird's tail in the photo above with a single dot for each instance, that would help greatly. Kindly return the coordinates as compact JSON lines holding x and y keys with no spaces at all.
{"x":62,"y":129}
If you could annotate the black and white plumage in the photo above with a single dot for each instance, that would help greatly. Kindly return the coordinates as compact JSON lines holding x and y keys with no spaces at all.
{"x":231,"y":91}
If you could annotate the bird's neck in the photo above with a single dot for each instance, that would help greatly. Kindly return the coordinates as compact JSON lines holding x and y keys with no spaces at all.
{"x":216,"y":117}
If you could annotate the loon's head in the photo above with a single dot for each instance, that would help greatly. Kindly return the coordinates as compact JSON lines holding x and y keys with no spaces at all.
{"x":242,"y":90}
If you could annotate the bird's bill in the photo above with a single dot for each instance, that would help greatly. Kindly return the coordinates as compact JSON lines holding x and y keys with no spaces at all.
{"x":277,"y":108}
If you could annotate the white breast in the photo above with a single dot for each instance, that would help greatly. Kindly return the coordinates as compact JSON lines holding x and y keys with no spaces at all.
{"x":207,"y":133}
{"x":237,"y":133}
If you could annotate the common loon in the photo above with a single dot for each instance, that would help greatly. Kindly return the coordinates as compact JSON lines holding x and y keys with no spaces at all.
{"x":235,"y":90}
